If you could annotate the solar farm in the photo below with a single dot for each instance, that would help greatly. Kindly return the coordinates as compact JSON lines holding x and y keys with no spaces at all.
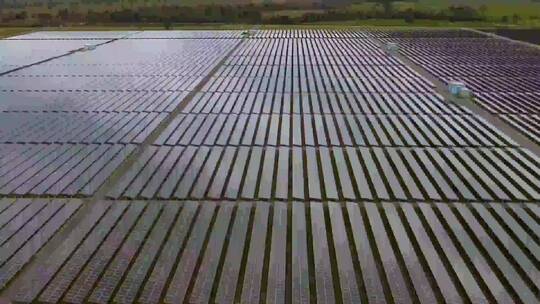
{"x":283,"y":166}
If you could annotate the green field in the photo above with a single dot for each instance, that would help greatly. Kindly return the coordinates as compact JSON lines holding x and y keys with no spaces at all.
{"x":491,"y":11}
{"x":529,"y":12}
{"x":12,"y":31}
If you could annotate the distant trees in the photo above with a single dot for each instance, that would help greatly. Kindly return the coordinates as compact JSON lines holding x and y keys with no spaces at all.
{"x":167,"y":15}
{"x":409,"y":16}
{"x":21,"y":16}
{"x":463,"y":13}
{"x":63,"y":14}
{"x":158,"y":11}
{"x":387,"y":6}
{"x":45,"y":18}
{"x":167,"y":24}
{"x":483,"y":10}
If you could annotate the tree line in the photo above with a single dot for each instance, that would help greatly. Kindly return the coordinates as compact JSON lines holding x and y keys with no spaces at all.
{"x":250,"y":14}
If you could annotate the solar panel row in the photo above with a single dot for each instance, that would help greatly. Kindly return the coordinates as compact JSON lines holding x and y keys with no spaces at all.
{"x":311,"y":49}
{"x":52,"y":69}
{"x":82,"y":126}
{"x":433,"y":33}
{"x":195,"y":34}
{"x":147,"y":34}
{"x":58,"y":169}
{"x":527,"y":123}
{"x":99,"y":83}
{"x":309,"y":33}
{"x":320,"y":103}
{"x":47,"y":128}
{"x":219,"y":155}
{"x":484,"y":71}
{"x":239,"y":252}
{"x":99,"y":101}
{"x":25,"y":227}
{"x":503,"y":74}
{"x":331,"y":173}
{"x":16,"y":54}
{"x":330,"y":130}
{"x":68,"y":35}
{"x":510,"y":103}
